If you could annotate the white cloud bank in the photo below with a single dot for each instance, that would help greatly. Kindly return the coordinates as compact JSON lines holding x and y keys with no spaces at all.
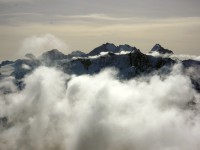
{"x":39,"y":44}
{"x":176,"y":57}
{"x":101,"y":113}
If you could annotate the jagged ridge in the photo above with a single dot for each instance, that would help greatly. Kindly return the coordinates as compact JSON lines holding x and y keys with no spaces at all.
{"x":127,"y":59}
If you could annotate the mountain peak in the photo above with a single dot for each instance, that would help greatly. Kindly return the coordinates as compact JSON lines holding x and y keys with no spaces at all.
{"x":107,"y":47}
{"x":53,"y":54}
{"x":127,"y":48}
{"x":110,"y":47}
{"x":158,"y":48}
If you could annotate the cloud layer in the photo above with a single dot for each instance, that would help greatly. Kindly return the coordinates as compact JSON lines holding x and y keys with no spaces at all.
{"x":60,"y":112}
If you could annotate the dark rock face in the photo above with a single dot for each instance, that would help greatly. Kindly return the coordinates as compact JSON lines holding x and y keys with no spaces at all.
{"x":3,"y":121}
{"x":76,"y":54}
{"x":6,"y":62}
{"x":191,"y":63}
{"x":20,"y":71}
{"x":158,"y":48}
{"x":129,"y":65}
{"x":195,"y":66}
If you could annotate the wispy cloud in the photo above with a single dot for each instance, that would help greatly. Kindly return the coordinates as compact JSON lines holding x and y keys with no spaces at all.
{"x":99,"y":17}
{"x":25,"y":18}
{"x":92,"y":19}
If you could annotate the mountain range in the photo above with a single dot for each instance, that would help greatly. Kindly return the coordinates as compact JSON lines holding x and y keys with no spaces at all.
{"x":128,"y":60}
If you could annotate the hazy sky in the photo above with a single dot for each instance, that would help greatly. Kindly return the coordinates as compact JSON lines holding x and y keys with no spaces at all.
{"x":85,"y":24}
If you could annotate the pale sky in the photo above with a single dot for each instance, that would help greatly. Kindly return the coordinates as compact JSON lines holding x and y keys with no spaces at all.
{"x":86,"y":24}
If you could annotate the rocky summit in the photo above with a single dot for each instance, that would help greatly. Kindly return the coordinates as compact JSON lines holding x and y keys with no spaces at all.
{"x":159,"y":49}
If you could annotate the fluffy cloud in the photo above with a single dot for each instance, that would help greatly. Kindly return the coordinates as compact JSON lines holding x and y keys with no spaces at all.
{"x":39,"y":44}
{"x":57,"y":112}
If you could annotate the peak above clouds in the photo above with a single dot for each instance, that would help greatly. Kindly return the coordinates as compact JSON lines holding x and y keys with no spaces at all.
{"x":158,"y":48}
{"x":114,"y":97}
